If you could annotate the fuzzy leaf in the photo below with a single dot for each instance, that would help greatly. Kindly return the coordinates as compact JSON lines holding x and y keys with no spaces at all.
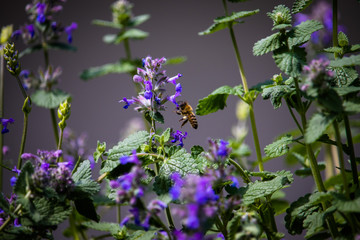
{"x":342,"y":91}
{"x":48,"y":213}
{"x":276,"y":93}
{"x":217,"y":99}
{"x":86,"y":208}
{"x":52,"y":45}
{"x":300,"y":5}
{"x":223,"y":22}
{"x":113,"y":228}
{"x":137,"y":20}
{"x":122,"y":66}
{"x":344,"y":76}
{"x":352,"y":106}
{"x":180,"y":161}
{"x":279,"y":147}
{"x":314,"y":223}
{"x":306,"y":171}
{"x":268,"y":44}
{"x":124,"y":148}
{"x":196,"y":151}
{"x":317,"y":126}
{"x":104,"y":23}
{"x":337,"y":50}
{"x":353,"y":60}
{"x":302,"y":32}
{"x":143,"y":235}
{"x":161,"y":185}
{"x":297,"y":213}
{"x":50,"y":99}
{"x":354,"y":48}
{"x":83,"y":172}
{"x":259,"y":189}
{"x":175,"y":60}
{"x":26,"y":171}
{"x":347,"y":206}
{"x":290,"y":62}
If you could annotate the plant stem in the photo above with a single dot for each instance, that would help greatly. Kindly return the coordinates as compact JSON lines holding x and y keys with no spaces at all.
{"x":1,"y":115}
{"x":54,"y":125}
{"x":246,"y":90}
{"x":118,"y":213}
{"x":341,"y":158}
{"x":127,"y":49}
{"x":293,"y":116}
{"x":60,"y":159}
{"x":335,"y":25}
{"x":352,"y":151}
{"x":243,"y":174}
{"x":24,"y":134}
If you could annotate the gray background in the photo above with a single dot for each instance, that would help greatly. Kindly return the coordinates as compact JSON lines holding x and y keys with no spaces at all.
{"x":173,"y":29}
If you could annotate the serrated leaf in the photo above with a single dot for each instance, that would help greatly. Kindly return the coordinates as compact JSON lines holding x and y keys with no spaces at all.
{"x":317,"y":125}
{"x":196,"y":150}
{"x":343,"y":39}
{"x":337,"y":180}
{"x":214,"y":28}
{"x":300,"y":5}
{"x":48,"y":99}
{"x":83,"y":172}
{"x":281,"y":26}
{"x":314,"y":223}
{"x":26,"y":171}
{"x":61,"y":46}
{"x":279,"y":147}
{"x":123,"y":148}
{"x":297,"y":213}
{"x":143,"y":235}
{"x":259,"y":189}
{"x":48,"y":213}
{"x":175,"y":60}
{"x":290,"y":62}
{"x":276,"y":93}
{"x":337,"y":50}
{"x":301,"y":33}
{"x":122,"y":66}
{"x":354,"y":48}
{"x":347,"y":206}
{"x":353,"y":60}
{"x":180,"y":162}
{"x":331,"y":101}
{"x":85,"y":207}
{"x":352,"y":106}
{"x":104,"y":23}
{"x":217,"y":99}
{"x":161,"y":185}
{"x":158,"y":117}
{"x":344,"y":76}
{"x":306,"y":171}
{"x":113,"y":228}
{"x":342,"y":91}
{"x":268,"y":44}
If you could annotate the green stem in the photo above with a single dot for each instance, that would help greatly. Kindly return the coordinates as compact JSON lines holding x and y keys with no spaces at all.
{"x":118,"y":213}
{"x":5,"y":223}
{"x":72,"y":225}
{"x":60,"y":159}
{"x":1,"y":115}
{"x":352,"y":151}
{"x":24,"y":134}
{"x":23,"y":91}
{"x":54,"y":125}
{"x":341,"y":158}
{"x":242,"y":172}
{"x":294,"y":118}
{"x":102,"y":236}
{"x":127,"y":49}
{"x":335,"y":25}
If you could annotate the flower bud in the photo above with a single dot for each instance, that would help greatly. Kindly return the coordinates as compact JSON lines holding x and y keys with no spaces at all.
{"x":11,"y":58}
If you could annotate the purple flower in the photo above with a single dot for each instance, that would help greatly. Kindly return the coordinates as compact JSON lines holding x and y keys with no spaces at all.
{"x":13,"y":181}
{"x":175,"y":190}
{"x":148,"y":90}
{"x":31,"y":30}
{"x":127,"y":102}
{"x":174,"y":79}
{"x":130,"y":159}
{"x":178,"y":88}
{"x":17,"y":222}
{"x":69,"y":30}
{"x":172,"y":98}
{"x":204,"y":192}
{"x":235,"y":182}
{"x":192,"y":220}
{"x":179,"y":136}
{"x":138,"y":79}
{"x":40,"y":9}
{"x":5,"y":123}
{"x":223,"y":151}
{"x":15,"y":170}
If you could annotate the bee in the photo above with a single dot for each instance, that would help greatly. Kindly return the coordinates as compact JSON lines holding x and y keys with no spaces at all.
{"x":187,"y":112}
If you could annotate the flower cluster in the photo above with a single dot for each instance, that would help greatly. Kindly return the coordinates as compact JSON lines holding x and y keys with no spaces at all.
{"x":179,"y":136}
{"x":121,"y":11}
{"x":11,"y":57}
{"x":43,"y":23}
{"x":74,"y":147}
{"x":218,"y":151}
{"x":45,"y":79}
{"x":50,"y":173}
{"x":152,"y":80}
{"x":3,"y":215}
{"x":317,"y":76}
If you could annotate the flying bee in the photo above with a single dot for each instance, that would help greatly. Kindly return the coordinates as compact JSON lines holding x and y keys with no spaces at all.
{"x":187,"y":112}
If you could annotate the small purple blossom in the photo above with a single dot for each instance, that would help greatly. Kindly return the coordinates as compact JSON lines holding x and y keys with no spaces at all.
{"x":148,"y":90}
{"x":31,"y":30}
{"x":223,"y":151}
{"x":192,"y":221}
{"x":179,"y":136}
{"x":174,"y":79}
{"x":175,"y":190}
{"x":127,"y":102}
{"x":13,"y":181}
{"x":130,"y":159}
{"x":40,"y":9}
{"x":138,"y":79}
{"x":69,"y":30}
{"x":4,"y":123}
{"x":235,"y":182}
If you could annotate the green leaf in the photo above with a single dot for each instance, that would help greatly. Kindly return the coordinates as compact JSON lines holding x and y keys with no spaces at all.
{"x":279,"y":147}
{"x":21,"y":184}
{"x":342,"y":91}
{"x":268,"y":44}
{"x":4,"y":204}
{"x":306,"y":171}
{"x":124,"y":148}
{"x":300,"y":5}
{"x":354,"y":48}
{"x":279,"y":206}
{"x":302,"y":32}
{"x":196,"y":150}
{"x":86,"y":208}
{"x":85,"y":187}
{"x":331,"y":101}
{"x":143,"y":235}
{"x":48,"y":99}
{"x":297,"y":213}
{"x":104,"y":23}
{"x":344,"y":76}
{"x":353,"y":60}
{"x":290,"y":62}
{"x":276,"y":93}
{"x":113,"y":228}
{"x":336,"y":180}
{"x":317,"y":126}
{"x":48,"y":213}
{"x":343,"y":39}
{"x":61,"y":46}
{"x":122,"y":66}
{"x":259,"y":189}
{"x":352,"y":106}
{"x":137,"y":20}
{"x":347,"y":206}
{"x":175,"y":60}
{"x":158,"y":117}
{"x":337,"y":50}
{"x":83,"y":172}
{"x":161,"y":185}
{"x":217,"y":99}
{"x":223,"y":22}
{"x":314,"y":223}
{"x":30,"y":50}
{"x":180,"y":161}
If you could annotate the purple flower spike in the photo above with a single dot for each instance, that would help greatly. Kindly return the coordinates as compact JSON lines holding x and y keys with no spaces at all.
{"x":40,"y":8}
{"x":223,"y":151}
{"x":31,"y":30}
{"x":5,"y":123}
{"x":192,"y":221}
{"x":148,"y":90}
{"x":69,"y":30}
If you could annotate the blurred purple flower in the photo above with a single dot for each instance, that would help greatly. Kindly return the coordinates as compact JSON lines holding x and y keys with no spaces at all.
{"x":4,"y":123}
{"x":40,"y":9}
{"x":69,"y":30}
{"x":179,"y":136}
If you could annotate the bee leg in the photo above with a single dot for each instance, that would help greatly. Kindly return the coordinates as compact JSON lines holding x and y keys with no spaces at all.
{"x":185,"y":121}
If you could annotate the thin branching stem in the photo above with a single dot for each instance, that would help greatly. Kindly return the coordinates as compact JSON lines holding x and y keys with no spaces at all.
{"x":24,"y":134}
{"x":1,"y":115}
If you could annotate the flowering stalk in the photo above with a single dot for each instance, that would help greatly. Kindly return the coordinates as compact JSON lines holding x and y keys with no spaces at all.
{"x":26,"y":110}
{"x":1,"y":115}
{"x":249,"y":98}
{"x":63,"y":115}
